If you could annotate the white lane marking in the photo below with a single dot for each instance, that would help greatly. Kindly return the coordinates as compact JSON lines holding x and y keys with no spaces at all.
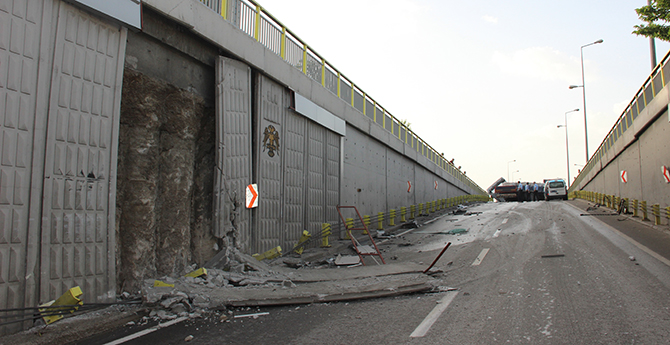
{"x":504,"y":221}
{"x":441,"y":306}
{"x":147,"y":331}
{"x":481,"y":256}
{"x":497,"y":233}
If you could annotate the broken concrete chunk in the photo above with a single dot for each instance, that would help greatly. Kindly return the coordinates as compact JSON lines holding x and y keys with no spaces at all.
{"x":169,"y":302}
{"x":347,"y":260}
{"x":288,"y":284}
{"x":293,"y":262}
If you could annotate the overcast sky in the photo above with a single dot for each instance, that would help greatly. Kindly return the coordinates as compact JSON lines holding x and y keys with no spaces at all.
{"x":486,"y":82}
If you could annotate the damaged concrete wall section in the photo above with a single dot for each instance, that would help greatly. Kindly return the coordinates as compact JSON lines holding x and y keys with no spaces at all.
{"x":166,"y":154}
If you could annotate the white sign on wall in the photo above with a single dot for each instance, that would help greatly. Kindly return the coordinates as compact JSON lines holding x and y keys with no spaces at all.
{"x":252,"y":196}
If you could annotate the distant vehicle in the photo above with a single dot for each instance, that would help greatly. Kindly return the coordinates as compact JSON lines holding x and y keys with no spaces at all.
{"x":505,"y":192}
{"x":555,"y":189}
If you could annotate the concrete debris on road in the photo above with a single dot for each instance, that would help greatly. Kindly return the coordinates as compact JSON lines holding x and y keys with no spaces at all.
{"x":192,"y":297}
{"x":460,"y":209}
{"x":347,"y":260}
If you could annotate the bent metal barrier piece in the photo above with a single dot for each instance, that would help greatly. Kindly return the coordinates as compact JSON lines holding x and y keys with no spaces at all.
{"x":437,"y":258}
{"x":361,"y":250}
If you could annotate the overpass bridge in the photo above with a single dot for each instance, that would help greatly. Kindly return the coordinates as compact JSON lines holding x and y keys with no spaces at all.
{"x":131,"y":132}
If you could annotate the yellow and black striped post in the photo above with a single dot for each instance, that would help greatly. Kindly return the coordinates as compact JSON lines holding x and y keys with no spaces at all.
{"x":656,"y":211}
{"x":349,"y":225}
{"x":325,"y":233}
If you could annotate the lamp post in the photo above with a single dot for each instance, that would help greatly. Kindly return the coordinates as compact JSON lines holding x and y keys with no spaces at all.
{"x":586,"y":134}
{"x":513,"y":174}
{"x":508,"y":168}
{"x":567,"y":151}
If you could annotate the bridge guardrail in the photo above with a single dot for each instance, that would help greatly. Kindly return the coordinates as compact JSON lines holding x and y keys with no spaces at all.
{"x":253,"y":19}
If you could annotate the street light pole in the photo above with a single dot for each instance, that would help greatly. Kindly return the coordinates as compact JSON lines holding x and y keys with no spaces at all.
{"x":583,"y":86}
{"x":567,"y":150}
{"x":508,"y":168}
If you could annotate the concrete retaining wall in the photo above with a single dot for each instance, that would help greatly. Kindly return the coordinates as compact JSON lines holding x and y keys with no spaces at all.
{"x":168,"y":149}
{"x":642,"y":150}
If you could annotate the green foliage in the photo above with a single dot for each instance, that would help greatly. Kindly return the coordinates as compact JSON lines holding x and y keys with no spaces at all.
{"x":657,"y":17}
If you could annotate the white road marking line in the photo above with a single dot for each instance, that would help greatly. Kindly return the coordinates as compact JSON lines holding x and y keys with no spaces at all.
{"x":481,"y":256}
{"x":497,"y":233}
{"x":147,"y":331}
{"x":504,"y":221}
{"x":441,"y":306}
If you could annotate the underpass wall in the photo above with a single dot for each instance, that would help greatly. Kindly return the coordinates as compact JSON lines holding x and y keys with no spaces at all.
{"x":375,"y":177}
{"x":640,"y":149}
{"x":174,"y":55}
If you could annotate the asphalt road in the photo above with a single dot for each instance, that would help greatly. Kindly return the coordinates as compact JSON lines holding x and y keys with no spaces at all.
{"x":523,"y":273}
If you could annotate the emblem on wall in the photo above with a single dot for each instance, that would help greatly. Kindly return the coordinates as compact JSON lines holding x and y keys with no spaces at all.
{"x":271,"y":140}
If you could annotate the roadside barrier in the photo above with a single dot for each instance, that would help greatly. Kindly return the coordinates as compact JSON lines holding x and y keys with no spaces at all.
{"x":638,"y":208}
{"x":406,"y":213}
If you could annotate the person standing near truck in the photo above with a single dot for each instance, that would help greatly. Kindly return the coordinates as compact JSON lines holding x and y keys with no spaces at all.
{"x":519,"y":192}
{"x":527,"y":195}
{"x":536,"y":191}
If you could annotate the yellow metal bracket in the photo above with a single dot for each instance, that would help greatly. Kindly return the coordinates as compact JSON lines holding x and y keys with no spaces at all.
{"x":270,"y":254}
{"x":70,"y":302}
{"x":197,"y":273}
{"x":300,"y":246}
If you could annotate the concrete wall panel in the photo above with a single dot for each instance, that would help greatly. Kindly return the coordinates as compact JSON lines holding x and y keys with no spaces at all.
{"x":364,"y":176}
{"x":654,"y":153}
{"x":18,"y":117}
{"x":82,"y":140}
{"x":232,"y":219}
{"x":269,"y":150}
{"x":295,"y":131}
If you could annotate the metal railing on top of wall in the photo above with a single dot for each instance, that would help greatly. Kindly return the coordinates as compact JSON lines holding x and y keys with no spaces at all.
{"x":658,"y":78}
{"x":251,"y":18}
